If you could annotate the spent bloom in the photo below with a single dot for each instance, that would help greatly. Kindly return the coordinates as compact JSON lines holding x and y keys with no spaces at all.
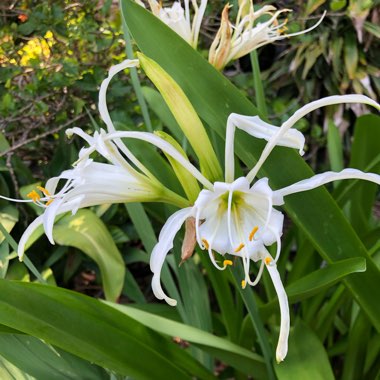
{"x":249,"y":32}
{"x":238,"y":217}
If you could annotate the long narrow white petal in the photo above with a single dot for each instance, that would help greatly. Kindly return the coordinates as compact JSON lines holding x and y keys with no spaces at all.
{"x":103,"y":109}
{"x":258,"y":128}
{"x":330,"y":100}
{"x":102,"y":105}
{"x":31,"y":228}
{"x":167,"y":148}
{"x":161,"y":249}
{"x":322,"y":179}
{"x":282,"y":346}
{"x":308,"y":29}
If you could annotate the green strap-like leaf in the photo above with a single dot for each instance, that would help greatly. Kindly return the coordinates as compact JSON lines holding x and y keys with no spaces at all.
{"x":223,"y":349}
{"x":306,"y":359}
{"x":94,"y":331}
{"x":88,"y":233}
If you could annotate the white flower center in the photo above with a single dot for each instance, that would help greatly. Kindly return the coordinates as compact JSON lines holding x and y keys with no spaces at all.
{"x":238,"y":220}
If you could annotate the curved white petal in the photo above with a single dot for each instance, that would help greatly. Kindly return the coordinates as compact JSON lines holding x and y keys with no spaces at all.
{"x":323,"y":178}
{"x":102,"y":105}
{"x":330,"y":100}
{"x":258,"y":128}
{"x":31,"y":228}
{"x":161,"y":249}
{"x":282,"y":346}
{"x":167,"y":148}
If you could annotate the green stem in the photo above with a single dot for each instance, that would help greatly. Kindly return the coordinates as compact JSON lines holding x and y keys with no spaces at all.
{"x":135,"y":79}
{"x":26,"y":260}
{"x":253,"y":311}
{"x":258,"y":85}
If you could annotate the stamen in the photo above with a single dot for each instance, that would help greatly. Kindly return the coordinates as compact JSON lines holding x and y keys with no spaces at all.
{"x":268,"y":260}
{"x":243,"y":284}
{"x":43,"y":190}
{"x":206,"y":244}
{"x":227,"y":262}
{"x":48,"y":202}
{"x":239,"y":248}
{"x":33,"y":195}
{"x":253,"y":232}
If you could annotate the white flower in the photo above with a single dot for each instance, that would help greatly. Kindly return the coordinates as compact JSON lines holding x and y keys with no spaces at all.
{"x":240,"y":219}
{"x":179,"y":20}
{"x":233,"y":42}
{"x":231,"y":217}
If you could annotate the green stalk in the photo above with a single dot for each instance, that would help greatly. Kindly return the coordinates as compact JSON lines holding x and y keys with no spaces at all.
{"x":258,"y":85}
{"x":253,"y":311}
{"x":135,"y":79}
{"x":26,"y":260}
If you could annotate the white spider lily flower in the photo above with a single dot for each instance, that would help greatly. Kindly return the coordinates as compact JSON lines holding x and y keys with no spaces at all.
{"x":239,"y":219}
{"x":179,"y":20}
{"x":248,"y":34}
{"x":92,"y":183}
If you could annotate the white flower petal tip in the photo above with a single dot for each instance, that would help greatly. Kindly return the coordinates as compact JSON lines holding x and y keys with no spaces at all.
{"x":282,"y":346}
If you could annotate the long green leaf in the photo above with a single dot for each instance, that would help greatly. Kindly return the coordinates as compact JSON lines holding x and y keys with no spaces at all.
{"x":223,"y":349}
{"x":318,"y":281}
{"x":214,"y":98}
{"x":306,"y":359}
{"x":94,"y":331}
{"x":42,"y":361}
{"x":88,"y":233}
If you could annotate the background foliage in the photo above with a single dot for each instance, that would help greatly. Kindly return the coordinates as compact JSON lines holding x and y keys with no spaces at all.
{"x":53,"y":56}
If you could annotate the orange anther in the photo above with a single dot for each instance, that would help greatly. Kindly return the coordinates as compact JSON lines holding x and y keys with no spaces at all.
{"x":33,"y":195}
{"x":240,"y":247}
{"x":227,"y":262}
{"x":253,"y":232}
{"x":268,"y":260}
{"x":206,"y":244}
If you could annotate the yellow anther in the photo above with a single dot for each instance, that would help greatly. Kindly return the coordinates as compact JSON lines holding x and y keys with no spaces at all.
{"x":206,"y":244}
{"x":253,"y":232}
{"x":48,"y":202}
{"x":243,"y":284}
{"x":227,"y":262}
{"x":33,"y":195}
{"x":43,"y":191}
{"x":268,"y":260}
{"x":239,"y":248}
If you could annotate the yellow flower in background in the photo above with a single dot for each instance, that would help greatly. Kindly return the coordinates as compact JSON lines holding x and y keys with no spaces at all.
{"x":37,"y":48}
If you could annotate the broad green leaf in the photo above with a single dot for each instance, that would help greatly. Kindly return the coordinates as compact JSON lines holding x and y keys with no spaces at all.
{"x":42,"y":361}
{"x":223,"y":349}
{"x":365,"y":149}
{"x":88,"y":233}
{"x":306,"y":359}
{"x":185,"y":115}
{"x":94,"y":331}
{"x":214,"y":98}
{"x":319,"y":280}
{"x":8,"y":218}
